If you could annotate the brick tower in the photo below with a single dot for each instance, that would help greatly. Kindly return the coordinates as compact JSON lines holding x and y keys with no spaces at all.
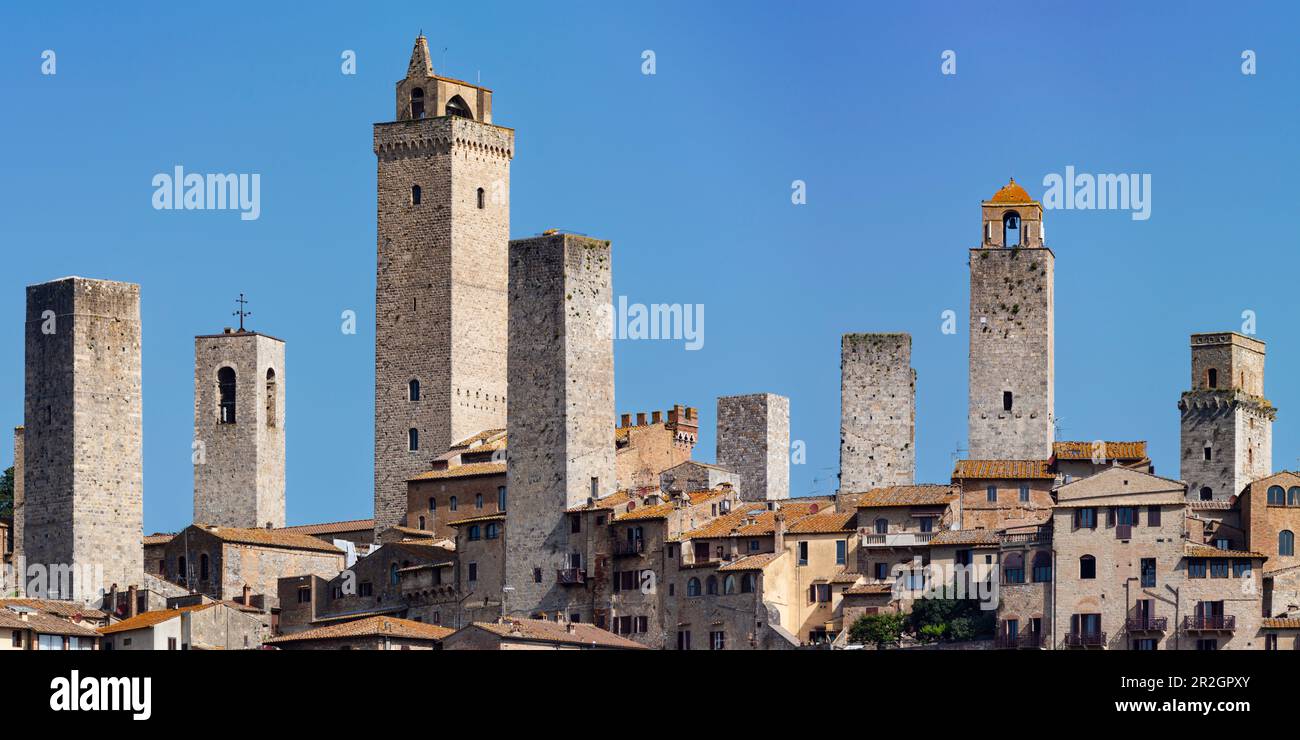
{"x":754,"y":442}
{"x":1012,"y":407}
{"x":239,"y":421}
{"x":440,"y":288}
{"x":877,"y":412}
{"x":82,"y":457}
{"x":561,"y":413}
{"x":1227,"y":423}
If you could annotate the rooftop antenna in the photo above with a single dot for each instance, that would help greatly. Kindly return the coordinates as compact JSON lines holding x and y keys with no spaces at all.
{"x":240,"y":312}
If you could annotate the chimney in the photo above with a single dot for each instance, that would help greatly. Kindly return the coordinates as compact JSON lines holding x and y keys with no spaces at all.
{"x":625,"y":420}
{"x":248,"y":595}
{"x":656,"y":417}
{"x":132,"y":608}
{"x":778,"y":531}
{"x":572,"y":629}
{"x":112,"y":598}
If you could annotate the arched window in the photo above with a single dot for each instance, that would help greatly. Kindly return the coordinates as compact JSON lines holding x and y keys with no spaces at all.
{"x":1011,"y":229}
{"x":451,"y":503}
{"x":412,"y":439}
{"x":1207,"y":493}
{"x":1276,"y":496}
{"x":693,"y":587}
{"x":882,"y":526}
{"x":413,"y":390}
{"x":270,"y":398}
{"x":417,"y":103}
{"x":226,"y":394}
{"x":482,"y":198}
{"x":1013,"y":568}
{"x":1042,"y":567}
{"x":729,"y":585}
{"x":478,"y":501}
{"x":748,"y":583}
{"x":1293,"y":496}
{"x":1087,"y":567}
{"x":421,"y":522}
{"x":392,"y":574}
{"x":711,"y":585}
{"x":1211,"y":378}
{"x":1286,"y":543}
{"x":433,"y":504}
{"x":458,"y":107}
{"x":416,"y":195}
{"x":203,"y":567}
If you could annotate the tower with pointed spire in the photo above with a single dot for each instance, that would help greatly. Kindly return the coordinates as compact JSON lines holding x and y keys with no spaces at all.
{"x":441,"y":277}
{"x":1012,"y":337}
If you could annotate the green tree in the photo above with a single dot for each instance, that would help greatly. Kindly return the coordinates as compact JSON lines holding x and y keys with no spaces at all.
{"x":7,"y":493}
{"x":878,"y":629}
{"x":953,"y":619}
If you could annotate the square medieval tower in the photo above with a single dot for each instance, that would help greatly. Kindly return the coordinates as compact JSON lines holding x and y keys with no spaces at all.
{"x":1012,"y":344}
{"x":441,"y":279}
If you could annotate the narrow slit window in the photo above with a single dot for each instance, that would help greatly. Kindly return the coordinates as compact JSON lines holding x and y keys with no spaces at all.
{"x":1006,"y":400}
{"x":226,"y":394}
{"x":415,"y":195}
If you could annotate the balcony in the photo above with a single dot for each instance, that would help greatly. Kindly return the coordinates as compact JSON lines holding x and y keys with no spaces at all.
{"x":624,"y":548}
{"x":1085,"y":639}
{"x":1022,"y":641}
{"x":1041,"y":537}
{"x":1146,"y":624}
{"x":570,"y":576}
{"x":898,"y":539}
{"x":1221,"y":623}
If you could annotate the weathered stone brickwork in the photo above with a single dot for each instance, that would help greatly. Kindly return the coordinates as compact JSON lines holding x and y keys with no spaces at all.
{"x":19,"y":507}
{"x":754,"y":442}
{"x":82,"y":457}
{"x":1227,"y":423}
{"x":561,"y":371}
{"x":239,"y":479}
{"x":440,"y":301}
{"x":877,"y":411}
{"x":1012,"y":344}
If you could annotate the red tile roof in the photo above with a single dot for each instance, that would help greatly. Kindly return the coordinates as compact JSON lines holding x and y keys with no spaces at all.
{"x":541,"y":630}
{"x":1108,"y":450}
{"x":280,"y":538}
{"x":379,"y":626}
{"x":973,"y":537}
{"x":1003,"y":470}
{"x":1281,"y":623}
{"x":149,"y":619}
{"x":1205,"y":551}
{"x":462,"y":471}
{"x":751,"y":562}
{"x":351,"y":525}
{"x":921,"y":495}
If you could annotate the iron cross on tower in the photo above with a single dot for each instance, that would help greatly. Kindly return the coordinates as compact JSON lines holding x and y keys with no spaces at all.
{"x":240,"y":312}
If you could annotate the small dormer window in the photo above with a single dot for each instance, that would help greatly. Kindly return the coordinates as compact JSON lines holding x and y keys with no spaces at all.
{"x":457,"y":107}
{"x":417,"y":103}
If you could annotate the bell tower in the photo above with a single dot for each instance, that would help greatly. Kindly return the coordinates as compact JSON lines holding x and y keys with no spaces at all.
{"x":441,"y":277}
{"x":1012,"y":345}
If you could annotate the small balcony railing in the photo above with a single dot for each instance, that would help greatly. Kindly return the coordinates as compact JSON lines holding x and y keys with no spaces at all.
{"x":1223,"y":623}
{"x":1024,"y":640}
{"x":897,"y":539}
{"x":570,"y":576}
{"x":628,"y":547}
{"x":1147,"y":624}
{"x":1085,"y":639}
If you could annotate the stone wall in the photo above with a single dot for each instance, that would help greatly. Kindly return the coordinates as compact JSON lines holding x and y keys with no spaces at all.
{"x":877,"y":411}
{"x":754,"y":442}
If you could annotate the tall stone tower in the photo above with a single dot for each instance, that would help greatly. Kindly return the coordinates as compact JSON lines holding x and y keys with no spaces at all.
{"x":239,"y":423}
{"x":1227,"y":423}
{"x":20,"y":508}
{"x":82,"y":458}
{"x":754,"y":442}
{"x":877,"y":412}
{"x":1012,"y":344}
{"x":440,"y":289}
{"x":561,"y":411}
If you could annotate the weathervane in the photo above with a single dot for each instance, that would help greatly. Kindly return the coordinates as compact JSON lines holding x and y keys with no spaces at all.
{"x":240,"y":312}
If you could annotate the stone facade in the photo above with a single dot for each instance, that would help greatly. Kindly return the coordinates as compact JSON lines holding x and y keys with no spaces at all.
{"x":1012,"y":340}
{"x":16,"y":535}
{"x":239,"y":417}
{"x":1227,"y":423}
{"x":82,"y":457}
{"x":645,"y":449}
{"x":754,"y":442}
{"x":877,"y":411}
{"x":561,"y":370}
{"x":440,"y":300}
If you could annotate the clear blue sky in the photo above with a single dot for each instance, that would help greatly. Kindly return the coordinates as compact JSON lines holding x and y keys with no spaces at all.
{"x":688,"y":172}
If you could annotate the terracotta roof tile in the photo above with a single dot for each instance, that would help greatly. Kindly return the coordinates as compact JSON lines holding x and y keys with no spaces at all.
{"x":57,"y":608}
{"x":149,"y":619}
{"x":351,"y":525}
{"x":751,"y":562}
{"x":1205,"y":551}
{"x":269,"y":538}
{"x":1012,"y":193}
{"x":497,"y":517}
{"x":462,"y":471}
{"x":1003,"y":470}
{"x":482,"y":437}
{"x":870,"y":588}
{"x":824,"y":523}
{"x":922,"y":495}
{"x":846,"y":576}
{"x":973,"y":537}
{"x":1109,"y":450}
{"x":540,"y":630}
{"x":656,"y":511}
{"x":44,"y":624}
{"x":379,"y":626}
{"x":1281,"y":623}
{"x":160,"y":538}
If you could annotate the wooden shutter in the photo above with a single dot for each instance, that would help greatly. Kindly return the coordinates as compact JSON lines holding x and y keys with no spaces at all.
{"x":1153,"y":516}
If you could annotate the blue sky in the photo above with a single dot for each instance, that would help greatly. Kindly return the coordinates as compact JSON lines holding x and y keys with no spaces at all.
{"x":689,"y":173}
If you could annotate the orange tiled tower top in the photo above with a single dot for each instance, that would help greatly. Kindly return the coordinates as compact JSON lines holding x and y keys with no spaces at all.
{"x":1012,"y":193}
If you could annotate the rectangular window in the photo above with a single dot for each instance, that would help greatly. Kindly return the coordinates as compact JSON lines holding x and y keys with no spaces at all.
{"x":683,"y":639}
{"x":171,"y":643}
{"x":1241,"y":568}
{"x":1144,"y":644}
{"x":575,"y":523}
{"x":366,"y":589}
{"x":753,"y":545}
{"x":717,"y":641}
{"x":803,"y":553}
{"x":473,"y":571}
{"x":17,"y":638}
{"x":992,"y":494}
{"x":1148,"y":572}
{"x":841,"y":552}
{"x":1085,"y":518}
{"x":1126,"y":515}
{"x":501,"y":498}
{"x":1024,"y":493}
{"x":1210,"y":644}
{"x":1219,"y":568}
{"x":1153,"y":516}
{"x":1207,"y":453}
{"x":927,"y":524}
{"x":1196,"y":568}
{"x":304,"y":594}
{"x":1006,"y":400}
{"x":882,"y":571}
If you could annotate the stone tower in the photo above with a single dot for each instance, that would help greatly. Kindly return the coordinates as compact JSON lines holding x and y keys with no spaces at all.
{"x":1012,"y":408}
{"x":754,"y":442}
{"x":1227,"y":423}
{"x":239,"y":423}
{"x":561,"y":412}
{"x":877,"y":412}
{"x":440,"y":288}
{"x":19,"y":508}
{"x":82,"y":460}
